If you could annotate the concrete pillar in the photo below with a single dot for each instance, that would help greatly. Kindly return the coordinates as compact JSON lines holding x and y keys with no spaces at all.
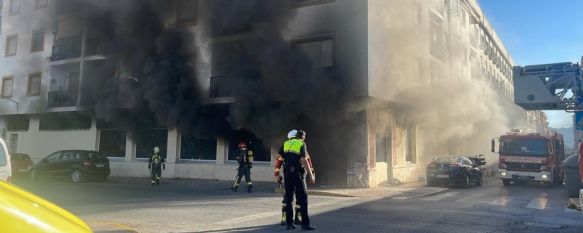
{"x":172,"y":146}
{"x":222,"y":150}
{"x":130,"y":146}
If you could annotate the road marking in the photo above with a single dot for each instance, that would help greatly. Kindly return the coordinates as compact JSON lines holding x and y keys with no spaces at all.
{"x":400,"y":197}
{"x":537,"y":203}
{"x":501,"y":201}
{"x":440,"y":196}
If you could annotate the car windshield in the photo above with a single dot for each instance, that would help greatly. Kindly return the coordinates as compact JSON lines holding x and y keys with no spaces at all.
{"x":524,"y":146}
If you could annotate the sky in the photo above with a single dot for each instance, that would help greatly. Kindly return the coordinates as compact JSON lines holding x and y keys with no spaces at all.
{"x":538,"y":32}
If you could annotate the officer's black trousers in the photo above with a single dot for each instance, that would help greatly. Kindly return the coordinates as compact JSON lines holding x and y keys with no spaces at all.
{"x":295,"y":184}
{"x":155,"y":172}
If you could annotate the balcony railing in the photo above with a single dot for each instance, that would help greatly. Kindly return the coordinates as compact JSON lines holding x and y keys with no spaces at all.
{"x":66,"y":48}
{"x":66,"y":98}
{"x":220,"y":87}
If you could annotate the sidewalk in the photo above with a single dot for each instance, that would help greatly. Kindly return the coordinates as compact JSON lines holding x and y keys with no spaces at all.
{"x":574,"y":203}
{"x":404,"y":190}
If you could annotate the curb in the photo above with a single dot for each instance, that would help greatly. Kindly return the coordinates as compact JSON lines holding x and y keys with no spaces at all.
{"x":328,"y":194}
{"x":574,"y":204}
{"x":443,"y":190}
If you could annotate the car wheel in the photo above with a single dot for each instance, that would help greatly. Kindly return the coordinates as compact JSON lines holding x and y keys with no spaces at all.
{"x":506,"y":182}
{"x":479,"y":180}
{"x":76,"y":176}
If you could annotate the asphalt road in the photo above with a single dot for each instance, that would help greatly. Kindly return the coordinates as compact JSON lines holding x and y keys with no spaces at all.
{"x":208,"y":206}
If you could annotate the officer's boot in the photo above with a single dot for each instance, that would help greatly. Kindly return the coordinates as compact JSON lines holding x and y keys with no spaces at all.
{"x":249,"y":188}
{"x":298,"y":216}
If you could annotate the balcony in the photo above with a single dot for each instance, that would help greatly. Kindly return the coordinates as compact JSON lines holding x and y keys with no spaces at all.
{"x":65,"y":7}
{"x":66,"y":48}
{"x":220,"y":87}
{"x":66,"y":98}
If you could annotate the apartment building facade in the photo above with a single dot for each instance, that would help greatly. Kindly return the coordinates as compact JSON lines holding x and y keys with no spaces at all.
{"x":49,"y":99}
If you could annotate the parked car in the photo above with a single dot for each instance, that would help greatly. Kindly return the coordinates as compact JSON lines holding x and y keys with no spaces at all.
{"x":454,"y":170}
{"x":75,"y":165}
{"x":5,"y":166}
{"x":22,"y":211}
{"x":21,"y":164}
{"x":571,"y":181}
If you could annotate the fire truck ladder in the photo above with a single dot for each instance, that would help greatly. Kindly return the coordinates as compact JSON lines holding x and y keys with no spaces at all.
{"x":555,"y":86}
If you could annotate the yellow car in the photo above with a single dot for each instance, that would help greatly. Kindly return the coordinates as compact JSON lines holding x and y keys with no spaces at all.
{"x":22,"y":211}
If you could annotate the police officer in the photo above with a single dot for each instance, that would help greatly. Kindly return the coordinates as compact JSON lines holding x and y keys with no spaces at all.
{"x":297,"y":216}
{"x":245,"y":160}
{"x":156,"y":163}
{"x":295,"y":167}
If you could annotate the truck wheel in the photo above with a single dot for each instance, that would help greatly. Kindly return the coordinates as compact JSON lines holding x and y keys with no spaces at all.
{"x":506,"y":182}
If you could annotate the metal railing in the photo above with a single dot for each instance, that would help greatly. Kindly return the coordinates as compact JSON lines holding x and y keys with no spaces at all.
{"x":65,"y":48}
{"x":66,"y":98}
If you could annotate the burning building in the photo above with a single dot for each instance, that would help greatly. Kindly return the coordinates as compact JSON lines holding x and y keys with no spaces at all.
{"x":381,"y":87}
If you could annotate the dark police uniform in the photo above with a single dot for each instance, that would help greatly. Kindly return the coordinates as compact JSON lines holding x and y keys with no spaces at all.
{"x":292,"y":152}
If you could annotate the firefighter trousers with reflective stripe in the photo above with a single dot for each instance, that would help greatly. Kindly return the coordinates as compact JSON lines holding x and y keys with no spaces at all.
{"x":243,"y":171}
{"x":155,"y":173}
{"x":296,"y":184}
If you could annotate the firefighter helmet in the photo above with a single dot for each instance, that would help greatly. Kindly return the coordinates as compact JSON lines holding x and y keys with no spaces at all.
{"x":156,"y":150}
{"x":242,"y":145}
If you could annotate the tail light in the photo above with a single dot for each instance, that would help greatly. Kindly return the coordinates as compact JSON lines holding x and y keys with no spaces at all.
{"x":503,"y":165}
{"x":87,"y":163}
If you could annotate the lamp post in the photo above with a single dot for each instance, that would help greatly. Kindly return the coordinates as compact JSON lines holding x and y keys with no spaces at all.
{"x":13,"y":101}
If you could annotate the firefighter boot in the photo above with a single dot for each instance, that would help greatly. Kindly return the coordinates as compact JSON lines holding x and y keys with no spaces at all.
{"x":234,"y":188}
{"x":298,"y":216}
{"x":282,"y":219}
{"x":249,"y":188}
{"x":152,"y":182}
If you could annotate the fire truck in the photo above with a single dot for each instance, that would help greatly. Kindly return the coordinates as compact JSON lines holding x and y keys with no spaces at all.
{"x":526,"y":157}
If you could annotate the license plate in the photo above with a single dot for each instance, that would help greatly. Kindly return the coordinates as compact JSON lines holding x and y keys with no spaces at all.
{"x":442,"y":176}
{"x":99,"y":165}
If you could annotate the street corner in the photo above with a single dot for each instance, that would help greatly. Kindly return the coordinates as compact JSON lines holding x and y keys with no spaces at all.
{"x":110,"y":227}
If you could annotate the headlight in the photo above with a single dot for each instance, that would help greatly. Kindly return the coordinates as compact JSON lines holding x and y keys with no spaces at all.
{"x":544,"y":176}
{"x":503,"y":173}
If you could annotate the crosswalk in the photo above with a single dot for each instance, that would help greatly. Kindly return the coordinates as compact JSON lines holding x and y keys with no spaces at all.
{"x":537,"y":202}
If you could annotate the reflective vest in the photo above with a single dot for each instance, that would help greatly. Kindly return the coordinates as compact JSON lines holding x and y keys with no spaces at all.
{"x":293,"y":146}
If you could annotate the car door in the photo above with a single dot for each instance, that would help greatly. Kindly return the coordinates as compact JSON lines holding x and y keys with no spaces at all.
{"x":63,"y":166}
{"x":5,"y":167}
{"x":473,"y":168}
{"x":48,"y":167}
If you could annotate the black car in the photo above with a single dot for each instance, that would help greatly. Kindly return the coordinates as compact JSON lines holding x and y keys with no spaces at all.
{"x":571,"y":181}
{"x":75,"y":165}
{"x":456,"y":170}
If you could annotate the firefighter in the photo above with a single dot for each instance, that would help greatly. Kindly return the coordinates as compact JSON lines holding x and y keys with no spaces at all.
{"x":156,"y":163}
{"x":295,"y":167}
{"x":245,"y":160}
{"x":297,"y":216}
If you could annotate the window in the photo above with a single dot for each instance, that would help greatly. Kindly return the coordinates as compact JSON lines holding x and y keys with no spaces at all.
{"x":383,"y":146}
{"x":187,"y":12}
{"x":319,"y":50}
{"x":14,"y":7}
{"x":410,"y":145}
{"x":7,"y":86}
{"x":16,"y":122}
{"x":438,"y":44}
{"x":11,"y":45}
{"x":38,"y":41}
{"x":64,"y":121}
{"x":195,"y":148}
{"x":34,"y":83}
{"x":39,"y":4}
{"x":54,"y":157}
{"x":302,"y":3}
{"x":112,"y":142}
{"x":147,"y":139}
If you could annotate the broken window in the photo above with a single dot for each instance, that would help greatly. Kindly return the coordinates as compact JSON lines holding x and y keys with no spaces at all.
{"x":147,"y":139}
{"x":319,"y":50}
{"x":112,"y":142}
{"x":196,"y":148}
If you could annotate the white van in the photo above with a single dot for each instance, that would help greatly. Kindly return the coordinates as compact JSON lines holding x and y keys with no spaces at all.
{"x":5,"y":168}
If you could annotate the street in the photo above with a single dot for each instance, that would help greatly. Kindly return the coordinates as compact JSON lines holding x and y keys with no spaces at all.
{"x":130,"y":205}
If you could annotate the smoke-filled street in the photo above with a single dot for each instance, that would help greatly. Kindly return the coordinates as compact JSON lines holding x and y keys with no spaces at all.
{"x":207,"y":206}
